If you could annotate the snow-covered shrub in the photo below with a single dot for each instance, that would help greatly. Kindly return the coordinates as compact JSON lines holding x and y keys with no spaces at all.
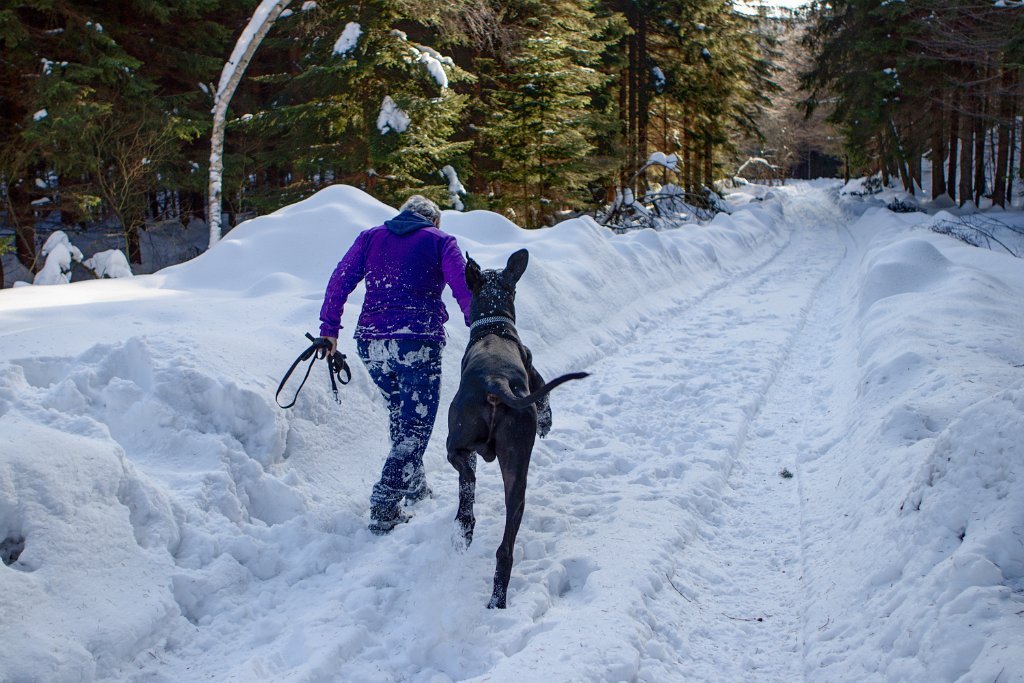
{"x":758,"y":170}
{"x":861,"y":187}
{"x":111,"y":263}
{"x":903,"y":205}
{"x":717,"y":202}
{"x":60,"y":254}
{"x":661,"y":207}
{"x":61,"y":257}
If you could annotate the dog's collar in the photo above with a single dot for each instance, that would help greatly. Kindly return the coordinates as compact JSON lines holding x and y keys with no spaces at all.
{"x":490,"y":321}
{"x":499,"y":325}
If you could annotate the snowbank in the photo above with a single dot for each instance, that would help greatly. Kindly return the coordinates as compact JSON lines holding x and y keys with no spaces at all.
{"x":919,"y":574}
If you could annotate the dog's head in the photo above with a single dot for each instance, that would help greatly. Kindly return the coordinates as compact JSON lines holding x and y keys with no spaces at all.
{"x":494,"y":291}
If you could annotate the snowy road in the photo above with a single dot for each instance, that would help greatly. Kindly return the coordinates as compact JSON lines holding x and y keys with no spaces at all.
{"x":711,"y":401}
{"x":876,"y":363}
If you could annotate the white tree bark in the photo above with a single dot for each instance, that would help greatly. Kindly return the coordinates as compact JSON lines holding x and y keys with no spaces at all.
{"x":259,"y":25}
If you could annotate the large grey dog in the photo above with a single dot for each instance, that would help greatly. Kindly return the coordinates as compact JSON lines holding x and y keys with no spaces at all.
{"x":500,"y":407}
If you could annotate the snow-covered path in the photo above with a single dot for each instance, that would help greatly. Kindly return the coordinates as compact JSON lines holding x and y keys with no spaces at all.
{"x":661,"y":539}
{"x":756,"y":537}
{"x":715,"y":408}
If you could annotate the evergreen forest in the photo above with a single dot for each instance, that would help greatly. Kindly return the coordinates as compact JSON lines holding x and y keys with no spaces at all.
{"x":537,"y":110}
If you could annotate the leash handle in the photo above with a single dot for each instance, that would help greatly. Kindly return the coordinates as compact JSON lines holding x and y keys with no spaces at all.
{"x":284,"y":380}
{"x":336,"y":365}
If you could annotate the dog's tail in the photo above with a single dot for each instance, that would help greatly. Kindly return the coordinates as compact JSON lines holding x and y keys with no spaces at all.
{"x":501,"y":394}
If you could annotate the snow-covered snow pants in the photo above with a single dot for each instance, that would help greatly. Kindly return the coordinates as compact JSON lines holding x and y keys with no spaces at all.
{"x":408,"y":374}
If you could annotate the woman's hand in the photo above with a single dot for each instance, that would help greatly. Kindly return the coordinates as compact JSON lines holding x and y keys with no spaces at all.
{"x":324,"y":352}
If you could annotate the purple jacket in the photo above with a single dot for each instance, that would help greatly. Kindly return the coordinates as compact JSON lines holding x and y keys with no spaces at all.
{"x":406,"y":263}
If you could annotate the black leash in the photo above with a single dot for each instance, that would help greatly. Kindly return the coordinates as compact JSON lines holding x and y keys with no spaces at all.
{"x":335,"y":366}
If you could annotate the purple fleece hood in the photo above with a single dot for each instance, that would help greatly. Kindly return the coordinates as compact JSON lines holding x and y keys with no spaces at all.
{"x":406,"y":264}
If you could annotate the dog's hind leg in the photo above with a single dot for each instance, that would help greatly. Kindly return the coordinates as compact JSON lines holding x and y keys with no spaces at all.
{"x":464,"y":462}
{"x":513,"y":473}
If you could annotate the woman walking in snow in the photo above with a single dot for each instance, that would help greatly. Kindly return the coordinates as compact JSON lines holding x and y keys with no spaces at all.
{"x":406,"y":264}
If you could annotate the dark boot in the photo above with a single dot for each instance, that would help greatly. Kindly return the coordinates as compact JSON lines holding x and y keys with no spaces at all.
{"x":383,"y":521}
{"x":423,"y":493}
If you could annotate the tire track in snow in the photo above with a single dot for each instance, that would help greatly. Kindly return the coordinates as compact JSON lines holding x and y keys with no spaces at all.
{"x":757,"y":601}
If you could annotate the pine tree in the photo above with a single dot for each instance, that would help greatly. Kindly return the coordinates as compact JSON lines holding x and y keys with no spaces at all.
{"x":694,"y":77}
{"x":102,"y":108}
{"x":541,"y":120}
{"x":320,"y":120}
{"x":919,"y":77}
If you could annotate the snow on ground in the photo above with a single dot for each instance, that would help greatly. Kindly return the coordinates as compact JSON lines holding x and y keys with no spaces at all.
{"x":163,"y":520}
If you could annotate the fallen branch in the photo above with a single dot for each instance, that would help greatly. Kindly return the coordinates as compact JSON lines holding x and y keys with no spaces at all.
{"x":767,"y":616}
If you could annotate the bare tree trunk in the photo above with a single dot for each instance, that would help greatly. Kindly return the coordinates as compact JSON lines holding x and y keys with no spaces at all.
{"x":196,"y":205}
{"x":19,"y":204}
{"x":967,"y":160}
{"x":709,"y":162}
{"x":1020,"y":155}
{"x":938,"y":154}
{"x":1004,"y":166}
{"x":687,"y":155}
{"x":915,"y":165}
{"x":903,"y":168}
{"x":132,"y":244}
{"x":624,"y":171}
{"x":1009,"y":166}
{"x":643,"y":104}
{"x":697,"y":143}
{"x":954,"y":146}
{"x":633,"y":99}
{"x":259,"y":25}
{"x":979,"y":160}
{"x":883,"y":160}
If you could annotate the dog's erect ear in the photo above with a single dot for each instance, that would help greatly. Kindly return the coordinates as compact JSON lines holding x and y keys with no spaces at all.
{"x":474,"y":279}
{"x":516,"y":267}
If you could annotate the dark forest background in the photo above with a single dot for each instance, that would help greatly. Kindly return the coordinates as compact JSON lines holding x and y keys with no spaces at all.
{"x":546,"y":109}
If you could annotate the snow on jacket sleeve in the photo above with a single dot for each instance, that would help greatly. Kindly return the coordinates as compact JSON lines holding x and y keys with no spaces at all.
{"x":453,"y":264}
{"x":346,"y":276}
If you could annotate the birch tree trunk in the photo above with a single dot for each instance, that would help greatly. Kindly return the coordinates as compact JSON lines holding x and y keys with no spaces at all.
{"x":1006,"y":120}
{"x":954,"y":148}
{"x":938,"y":153}
{"x":259,"y":25}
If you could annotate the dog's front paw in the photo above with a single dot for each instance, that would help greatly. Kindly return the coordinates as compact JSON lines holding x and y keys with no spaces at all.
{"x":463,"y":533}
{"x":497,"y":600}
